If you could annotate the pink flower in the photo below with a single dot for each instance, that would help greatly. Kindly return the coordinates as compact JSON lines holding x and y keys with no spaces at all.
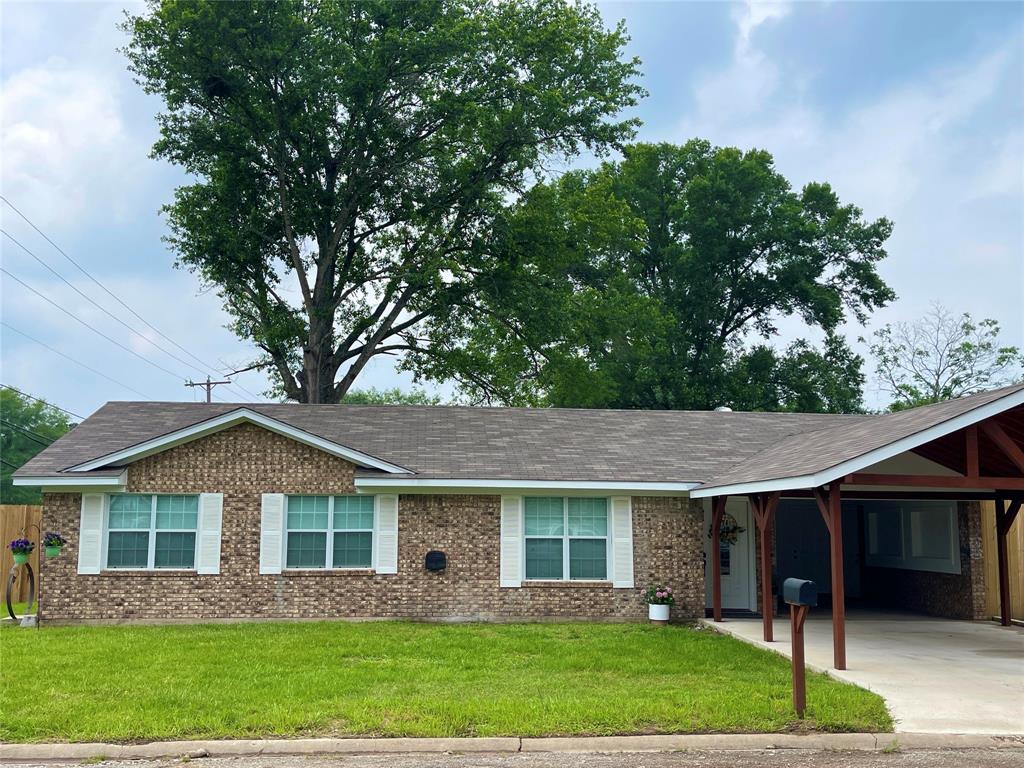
{"x":659,"y":594}
{"x":669,"y":590}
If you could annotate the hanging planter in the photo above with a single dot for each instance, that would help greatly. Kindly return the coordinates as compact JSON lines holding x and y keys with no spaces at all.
{"x":20,"y":550}
{"x":52,"y":543}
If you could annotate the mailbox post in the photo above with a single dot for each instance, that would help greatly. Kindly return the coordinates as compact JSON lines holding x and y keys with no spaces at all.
{"x":801,"y":596}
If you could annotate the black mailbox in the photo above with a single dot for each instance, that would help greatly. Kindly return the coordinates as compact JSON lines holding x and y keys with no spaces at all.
{"x":435,"y":561}
{"x":800,"y":592}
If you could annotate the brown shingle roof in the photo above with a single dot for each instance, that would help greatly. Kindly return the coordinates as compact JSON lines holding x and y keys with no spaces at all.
{"x":451,"y":442}
{"x":810,"y":453}
{"x":474,"y":443}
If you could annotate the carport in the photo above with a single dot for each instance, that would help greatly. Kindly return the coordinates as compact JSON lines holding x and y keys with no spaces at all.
{"x":936,"y":675}
{"x":962,"y":450}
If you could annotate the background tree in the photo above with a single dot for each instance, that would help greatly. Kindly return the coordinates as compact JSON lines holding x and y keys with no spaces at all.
{"x":350,"y":155}
{"x":393,"y":396}
{"x":666,"y":274}
{"x":26,"y":427}
{"x":942,"y":356}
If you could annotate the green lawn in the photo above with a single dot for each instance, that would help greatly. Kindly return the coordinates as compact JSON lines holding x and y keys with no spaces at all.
{"x":402,"y":679}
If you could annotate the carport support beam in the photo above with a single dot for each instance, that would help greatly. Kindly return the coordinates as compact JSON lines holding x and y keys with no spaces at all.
{"x":717,"y":512}
{"x":831,"y":508}
{"x":1004,"y":519}
{"x":763,"y":507}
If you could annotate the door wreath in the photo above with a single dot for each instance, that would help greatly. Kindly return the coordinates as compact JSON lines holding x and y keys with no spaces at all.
{"x":729,"y":531}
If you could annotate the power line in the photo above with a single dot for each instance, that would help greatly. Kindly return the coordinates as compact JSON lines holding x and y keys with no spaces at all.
{"x":99,"y":306}
{"x":28,"y":432}
{"x":205,"y":366}
{"x":44,"y":402}
{"x":9,"y":464}
{"x":92,"y":328}
{"x":143,"y":395}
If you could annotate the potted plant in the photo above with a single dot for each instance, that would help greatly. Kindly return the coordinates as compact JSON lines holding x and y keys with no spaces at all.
{"x":52,"y":543}
{"x":21,"y":549}
{"x":659,"y":603}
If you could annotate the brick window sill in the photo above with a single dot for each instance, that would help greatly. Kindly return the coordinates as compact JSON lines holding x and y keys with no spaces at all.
{"x":556,"y":584}
{"x":154,"y":572}
{"x":319,"y":572}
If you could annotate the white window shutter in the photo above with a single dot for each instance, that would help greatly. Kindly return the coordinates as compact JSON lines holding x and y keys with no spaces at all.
{"x":272,"y":533}
{"x":622,"y":542}
{"x":211,"y":511}
{"x":90,"y":534}
{"x":511,"y":568}
{"x":386,"y":521}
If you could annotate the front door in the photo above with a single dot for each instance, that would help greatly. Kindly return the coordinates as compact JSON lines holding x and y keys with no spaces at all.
{"x":737,"y":556}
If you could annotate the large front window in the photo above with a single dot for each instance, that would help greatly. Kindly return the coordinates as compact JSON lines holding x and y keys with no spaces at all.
{"x":566,"y":538}
{"x":152,"y":531}
{"x":329,"y":532}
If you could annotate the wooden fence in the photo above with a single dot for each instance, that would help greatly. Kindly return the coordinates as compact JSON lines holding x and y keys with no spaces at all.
{"x":1015,"y":547}
{"x":13,"y":519}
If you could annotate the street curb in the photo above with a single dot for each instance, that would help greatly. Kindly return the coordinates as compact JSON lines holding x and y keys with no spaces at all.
{"x":506,"y":745}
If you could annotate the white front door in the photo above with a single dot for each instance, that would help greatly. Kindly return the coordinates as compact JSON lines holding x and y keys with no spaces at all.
{"x":738,"y":590}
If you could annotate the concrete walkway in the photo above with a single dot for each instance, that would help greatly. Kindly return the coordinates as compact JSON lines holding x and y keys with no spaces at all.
{"x":937,"y":675}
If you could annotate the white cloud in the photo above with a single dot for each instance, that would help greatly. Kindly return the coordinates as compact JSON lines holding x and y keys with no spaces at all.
{"x":922,"y":152}
{"x":64,"y":141}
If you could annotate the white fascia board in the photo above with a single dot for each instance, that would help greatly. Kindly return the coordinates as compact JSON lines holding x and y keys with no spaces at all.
{"x":230,"y":419}
{"x":858,"y":463}
{"x":63,"y":483}
{"x":455,"y":485}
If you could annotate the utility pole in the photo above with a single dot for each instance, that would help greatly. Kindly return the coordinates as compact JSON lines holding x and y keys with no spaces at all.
{"x":207,"y":385}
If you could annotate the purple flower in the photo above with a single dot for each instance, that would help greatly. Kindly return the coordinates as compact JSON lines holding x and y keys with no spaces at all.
{"x":21,"y":546}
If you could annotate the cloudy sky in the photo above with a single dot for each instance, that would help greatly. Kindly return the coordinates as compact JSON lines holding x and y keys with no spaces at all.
{"x":913,"y":111}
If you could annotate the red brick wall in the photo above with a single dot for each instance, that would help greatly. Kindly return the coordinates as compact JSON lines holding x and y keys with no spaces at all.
{"x":246,"y":461}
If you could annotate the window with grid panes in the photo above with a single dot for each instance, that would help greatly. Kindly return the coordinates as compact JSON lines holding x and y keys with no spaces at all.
{"x":565,"y":538}
{"x":151,"y":531}
{"x":329,"y":532}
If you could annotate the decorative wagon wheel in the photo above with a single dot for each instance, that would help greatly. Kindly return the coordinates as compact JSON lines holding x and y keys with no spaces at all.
{"x":729,"y":530}
{"x":11,"y":579}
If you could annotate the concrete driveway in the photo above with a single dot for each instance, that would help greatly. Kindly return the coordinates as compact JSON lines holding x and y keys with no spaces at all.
{"x":937,"y":675}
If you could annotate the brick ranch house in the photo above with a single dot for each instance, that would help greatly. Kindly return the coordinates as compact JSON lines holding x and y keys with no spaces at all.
{"x":217,"y":511}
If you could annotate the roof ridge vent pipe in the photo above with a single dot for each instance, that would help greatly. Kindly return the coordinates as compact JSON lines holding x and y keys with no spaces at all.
{"x":723,"y":409}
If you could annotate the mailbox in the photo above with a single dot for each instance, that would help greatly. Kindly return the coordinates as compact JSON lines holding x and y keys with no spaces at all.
{"x":800,"y":592}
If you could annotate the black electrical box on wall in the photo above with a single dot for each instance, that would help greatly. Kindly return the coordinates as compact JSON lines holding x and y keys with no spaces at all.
{"x":436,"y":561}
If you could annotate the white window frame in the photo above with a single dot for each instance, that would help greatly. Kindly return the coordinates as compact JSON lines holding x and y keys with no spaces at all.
{"x":152,"y":531}
{"x":330,"y":531}
{"x":565,"y":537}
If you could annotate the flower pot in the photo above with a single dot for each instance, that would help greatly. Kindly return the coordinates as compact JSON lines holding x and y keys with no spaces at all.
{"x":20,"y":558}
{"x":658,"y":614}
{"x":52,"y":551}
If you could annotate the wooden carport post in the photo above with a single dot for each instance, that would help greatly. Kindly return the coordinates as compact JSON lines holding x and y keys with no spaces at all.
{"x":763,"y":506}
{"x":831,"y":508}
{"x":717,"y":512}
{"x":1004,"y":519}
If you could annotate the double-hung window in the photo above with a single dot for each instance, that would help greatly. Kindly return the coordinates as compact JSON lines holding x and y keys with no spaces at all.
{"x":329,"y":532}
{"x":149,"y":531}
{"x":566,"y":538}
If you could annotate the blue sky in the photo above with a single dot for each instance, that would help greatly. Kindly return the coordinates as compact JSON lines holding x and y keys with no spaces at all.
{"x":911,"y":110}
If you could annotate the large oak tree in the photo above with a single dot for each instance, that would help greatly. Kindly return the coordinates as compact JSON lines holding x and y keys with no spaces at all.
{"x":668,"y":273}
{"x":349,"y":158}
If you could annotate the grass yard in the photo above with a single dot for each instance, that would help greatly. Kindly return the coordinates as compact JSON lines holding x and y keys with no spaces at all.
{"x":124,"y":683}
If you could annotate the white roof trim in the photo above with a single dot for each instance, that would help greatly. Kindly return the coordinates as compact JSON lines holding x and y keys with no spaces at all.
{"x":114,"y":481}
{"x":858,"y":463}
{"x":230,"y":419}
{"x":566,"y":485}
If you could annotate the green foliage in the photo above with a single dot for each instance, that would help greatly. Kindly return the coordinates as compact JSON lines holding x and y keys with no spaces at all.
{"x":355,"y":154}
{"x":941,"y":357}
{"x":404,"y":679}
{"x":26,"y":427}
{"x":653,"y":275}
{"x":394,"y":396}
